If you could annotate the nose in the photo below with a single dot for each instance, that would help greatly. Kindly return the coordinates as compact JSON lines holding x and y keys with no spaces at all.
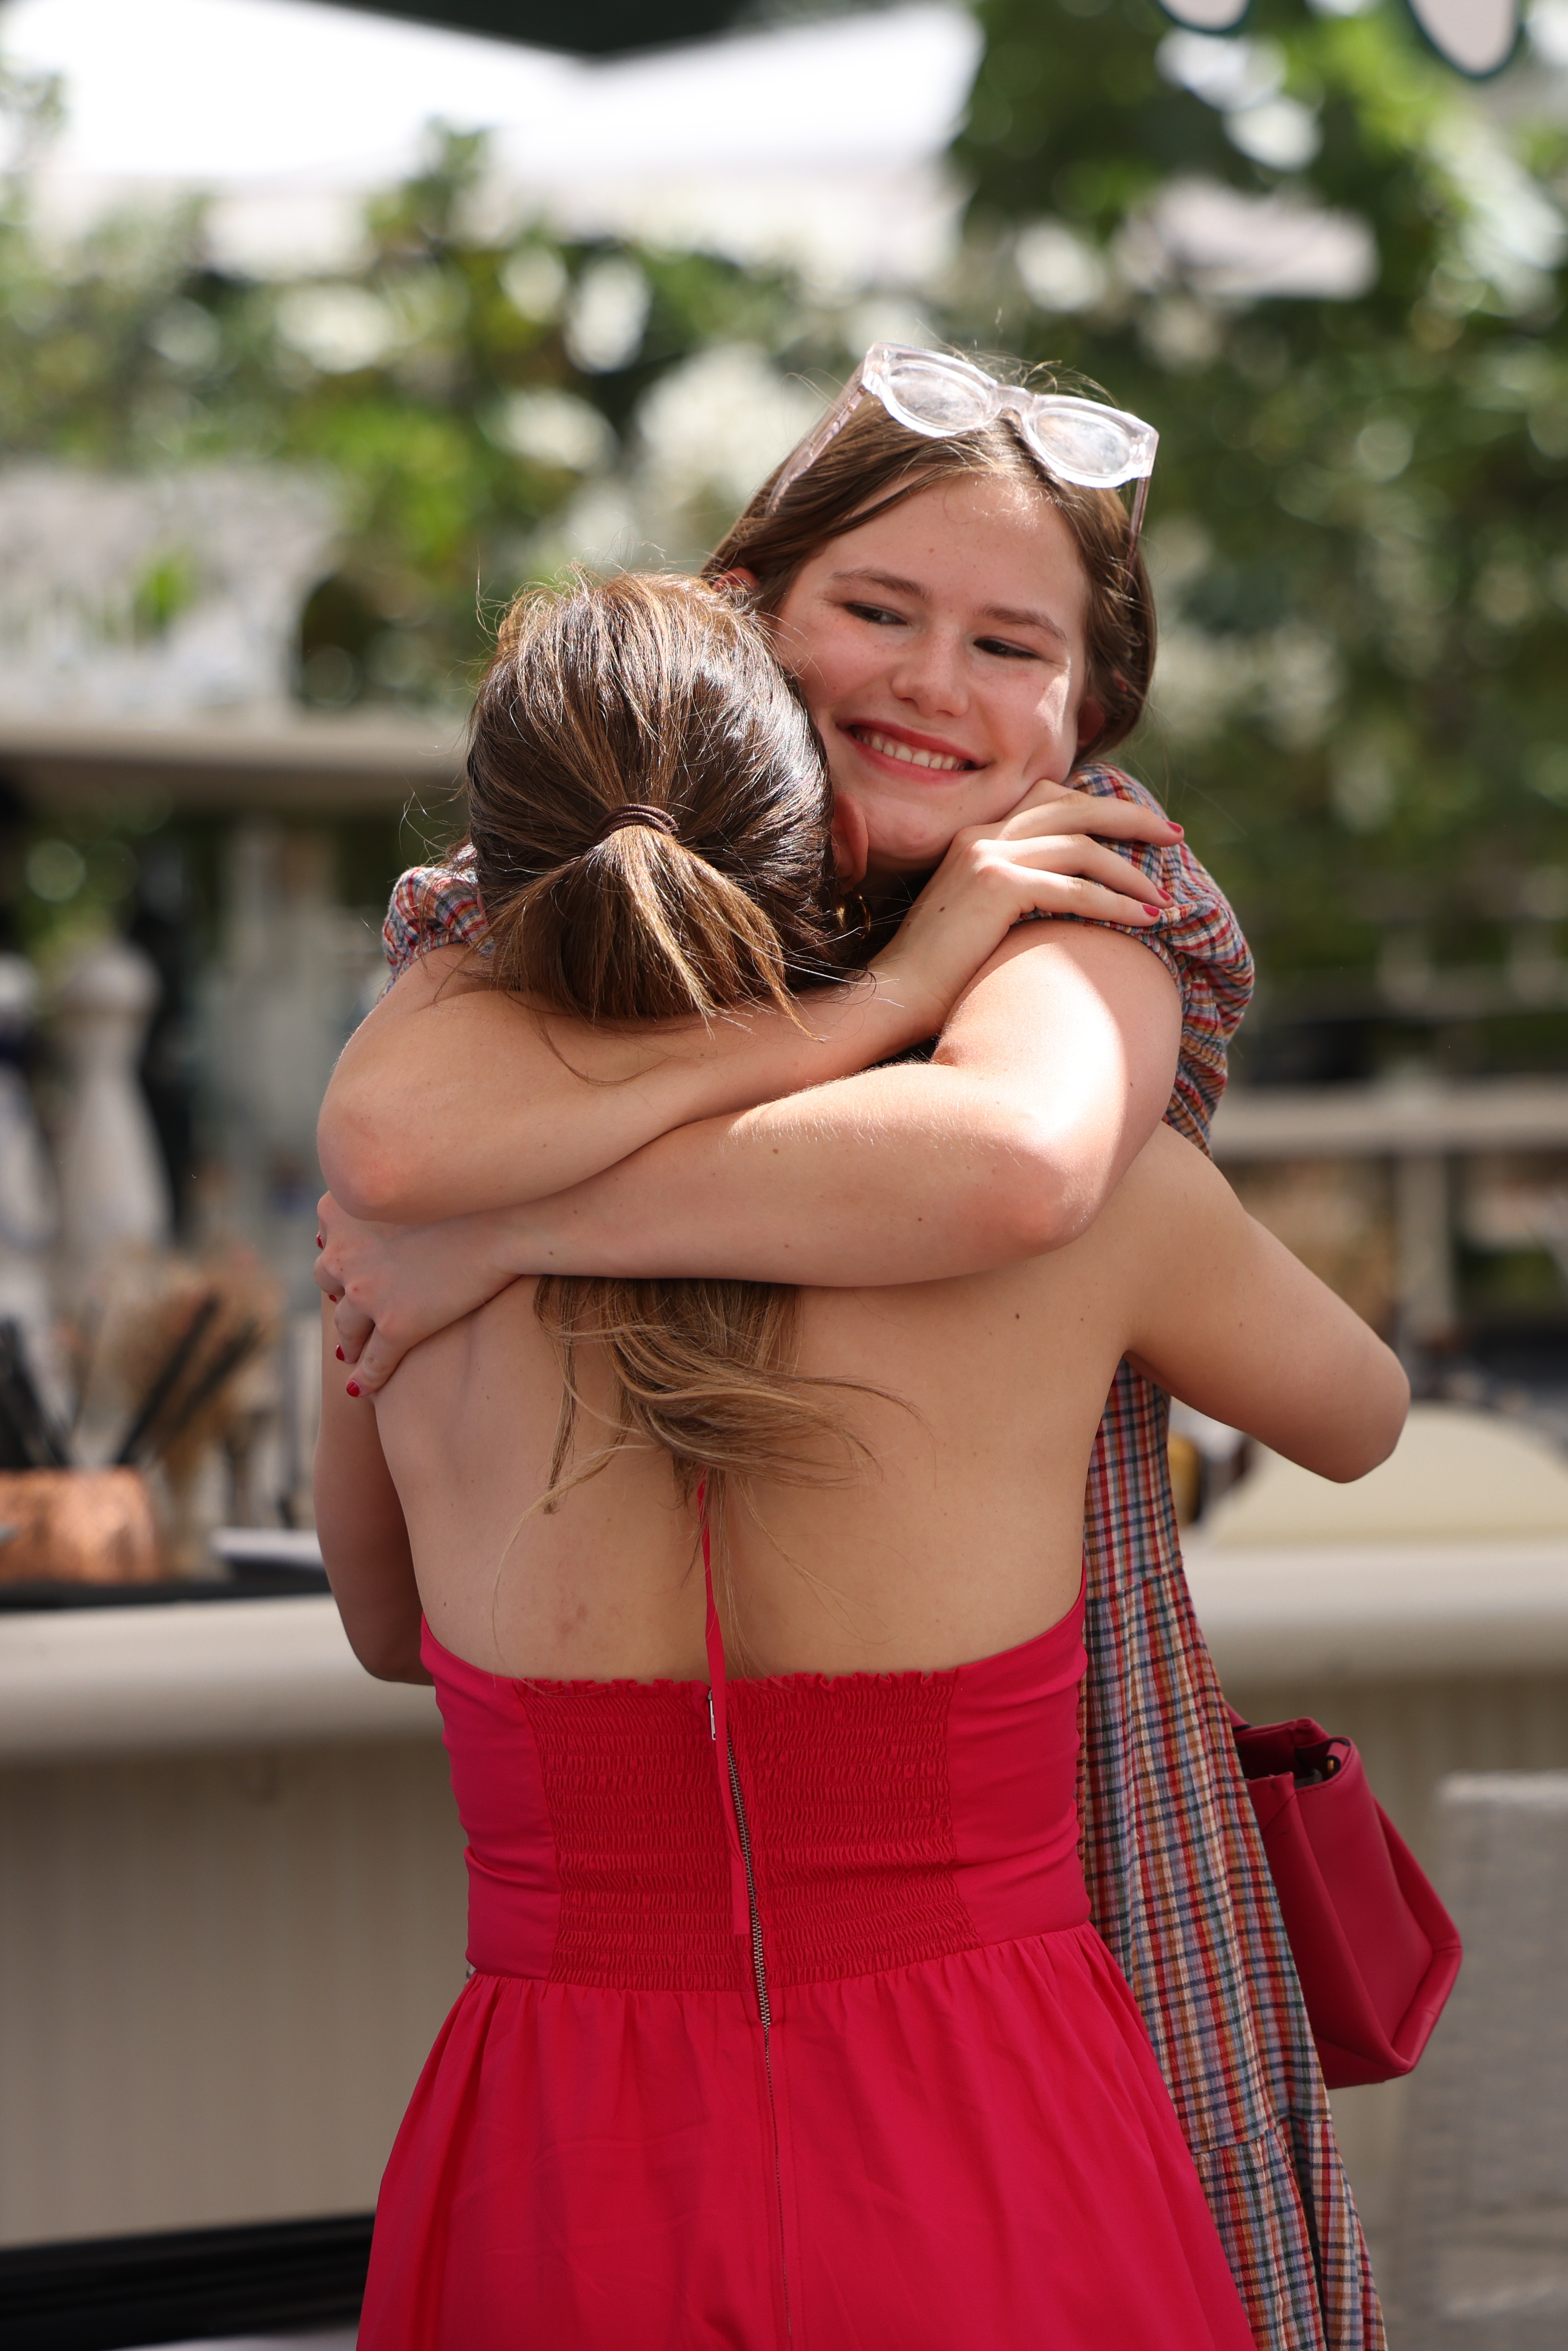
{"x":929,"y":675}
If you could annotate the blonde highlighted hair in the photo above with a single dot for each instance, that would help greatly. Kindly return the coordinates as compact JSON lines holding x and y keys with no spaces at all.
{"x":649,"y":816}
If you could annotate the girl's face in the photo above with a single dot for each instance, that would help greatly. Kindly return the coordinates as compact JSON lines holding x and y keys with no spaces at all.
{"x":940,"y":648}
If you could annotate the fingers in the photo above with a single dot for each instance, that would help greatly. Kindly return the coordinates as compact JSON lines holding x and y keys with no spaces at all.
{"x":1067,"y":893}
{"x":354,"y":1328}
{"x":1113,"y":820}
{"x":377,"y":1363}
{"x":1091,"y":861}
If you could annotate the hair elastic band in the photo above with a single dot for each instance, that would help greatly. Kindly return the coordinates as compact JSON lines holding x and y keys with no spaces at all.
{"x":635,"y":812}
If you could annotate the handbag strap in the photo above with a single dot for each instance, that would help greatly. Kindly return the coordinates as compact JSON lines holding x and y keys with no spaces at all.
{"x":718,"y":1725}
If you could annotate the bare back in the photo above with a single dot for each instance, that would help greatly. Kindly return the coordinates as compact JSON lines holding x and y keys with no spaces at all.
{"x":963,"y":1539}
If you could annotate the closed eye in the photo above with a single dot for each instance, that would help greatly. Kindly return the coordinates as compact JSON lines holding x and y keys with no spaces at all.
{"x":1006,"y":651}
{"x":880,"y":616}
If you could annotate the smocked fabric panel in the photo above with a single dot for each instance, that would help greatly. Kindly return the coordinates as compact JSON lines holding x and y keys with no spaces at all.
{"x":850,"y":1809}
{"x":639,"y":1839}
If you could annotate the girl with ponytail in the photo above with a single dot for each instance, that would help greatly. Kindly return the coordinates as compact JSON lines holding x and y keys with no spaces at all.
{"x":650,"y":823}
{"x":785,"y":2024}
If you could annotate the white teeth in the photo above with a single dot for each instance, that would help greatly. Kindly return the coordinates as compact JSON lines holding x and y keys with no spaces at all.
{"x":910,"y":756}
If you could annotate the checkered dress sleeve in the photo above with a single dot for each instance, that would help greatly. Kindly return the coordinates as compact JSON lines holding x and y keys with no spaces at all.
{"x":1199,"y":941}
{"x":432,"y":907}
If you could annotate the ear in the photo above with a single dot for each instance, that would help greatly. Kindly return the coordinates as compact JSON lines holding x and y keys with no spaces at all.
{"x":1090,"y":725}
{"x":737,"y":577}
{"x":852,"y":841}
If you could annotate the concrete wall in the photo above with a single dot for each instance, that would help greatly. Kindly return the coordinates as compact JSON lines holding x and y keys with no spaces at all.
{"x":219,"y":1977}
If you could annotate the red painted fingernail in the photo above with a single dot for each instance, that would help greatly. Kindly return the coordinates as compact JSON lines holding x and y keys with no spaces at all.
{"x":319,"y":1242}
{"x":341,"y":1357}
{"x":1177,"y":828}
{"x":353,"y":1387}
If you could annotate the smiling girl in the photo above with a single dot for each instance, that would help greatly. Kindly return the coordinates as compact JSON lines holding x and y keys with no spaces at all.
{"x":972,"y":630}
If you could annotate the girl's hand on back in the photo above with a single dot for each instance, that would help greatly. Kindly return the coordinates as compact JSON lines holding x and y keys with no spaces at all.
{"x":393,"y":1285}
{"x":1044,"y":859}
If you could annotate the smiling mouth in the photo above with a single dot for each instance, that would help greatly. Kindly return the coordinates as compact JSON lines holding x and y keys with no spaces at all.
{"x":909,"y":755}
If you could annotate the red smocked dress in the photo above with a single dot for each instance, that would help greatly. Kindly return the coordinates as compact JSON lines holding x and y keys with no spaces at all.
{"x":818,"y":2050}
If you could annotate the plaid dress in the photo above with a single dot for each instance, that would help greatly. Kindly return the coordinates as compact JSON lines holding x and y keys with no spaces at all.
{"x":1177,"y":1882}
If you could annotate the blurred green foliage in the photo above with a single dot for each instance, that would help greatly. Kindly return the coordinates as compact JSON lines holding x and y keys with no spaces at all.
{"x":460,"y":383}
{"x":1358,"y":513}
{"x":1357,"y":521}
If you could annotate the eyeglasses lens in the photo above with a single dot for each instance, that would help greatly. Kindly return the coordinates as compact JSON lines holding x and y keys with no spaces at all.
{"x":1082,"y":447}
{"x":937,"y":400}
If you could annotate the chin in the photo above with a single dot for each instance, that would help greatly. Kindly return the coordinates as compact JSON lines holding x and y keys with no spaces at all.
{"x":902,"y":861}
{"x":910,"y":841}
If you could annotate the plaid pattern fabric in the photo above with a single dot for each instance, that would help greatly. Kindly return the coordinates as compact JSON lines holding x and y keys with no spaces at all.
{"x":434,"y":906}
{"x":1177,"y":1882}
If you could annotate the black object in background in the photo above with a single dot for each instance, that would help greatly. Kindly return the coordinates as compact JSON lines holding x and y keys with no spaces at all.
{"x":256,"y":1582}
{"x":163,"y":922}
{"x":589,"y":27}
{"x":107,"y":2293}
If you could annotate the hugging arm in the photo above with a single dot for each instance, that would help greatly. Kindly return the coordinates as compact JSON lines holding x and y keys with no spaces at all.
{"x":1234,"y":1324}
{"x":364,"y":1539}
{"x":453,"y":1098}
{"x":1050,"y":1077}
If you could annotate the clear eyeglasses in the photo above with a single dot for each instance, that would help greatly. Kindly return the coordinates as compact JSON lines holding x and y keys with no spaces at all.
{"x":930,"y":392}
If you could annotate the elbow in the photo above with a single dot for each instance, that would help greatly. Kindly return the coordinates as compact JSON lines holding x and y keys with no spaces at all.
{"x":1034,"y":1199}
{"x":366,"y":1170}
{"x":1378,"y":1427}
{"x":396,"y":1665}
{"x":387,"y":1652}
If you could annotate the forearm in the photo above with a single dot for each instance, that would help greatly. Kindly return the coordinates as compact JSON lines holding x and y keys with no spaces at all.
{"x":363,"y":1537}
{"x":1052,"y":1076}
{"x":908,"y":1178}
{"x":481,"y":1067}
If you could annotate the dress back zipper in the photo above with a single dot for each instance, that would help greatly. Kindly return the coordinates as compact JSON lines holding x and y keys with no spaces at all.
{"x":746,"y":1912}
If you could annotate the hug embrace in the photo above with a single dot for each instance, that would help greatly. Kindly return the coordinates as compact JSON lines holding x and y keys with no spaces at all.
{"x":769,"y":1216}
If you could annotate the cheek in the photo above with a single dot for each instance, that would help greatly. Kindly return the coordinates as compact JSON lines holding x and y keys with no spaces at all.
{"x":830,"y":666}
{"x":1037,"y":725}
{"x":993,"y":799}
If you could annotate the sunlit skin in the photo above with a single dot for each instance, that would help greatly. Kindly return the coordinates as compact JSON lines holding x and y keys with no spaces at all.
{"x":951,"y":625}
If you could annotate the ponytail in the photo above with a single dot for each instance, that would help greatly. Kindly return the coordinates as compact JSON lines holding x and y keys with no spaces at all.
{"x":639,"y":919}
{"x":650,"y":816}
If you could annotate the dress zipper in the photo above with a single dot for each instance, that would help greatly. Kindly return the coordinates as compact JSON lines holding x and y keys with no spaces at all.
{"x":740,"y":1828}
{"x":765,"y":2016}
{"x":759,"y":1965}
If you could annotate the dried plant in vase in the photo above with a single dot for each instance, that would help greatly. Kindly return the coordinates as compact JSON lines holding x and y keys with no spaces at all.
{"x":181,"y":1344}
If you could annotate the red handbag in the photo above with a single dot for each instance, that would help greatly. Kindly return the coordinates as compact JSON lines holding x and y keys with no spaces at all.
{"x":1376,"y":1952}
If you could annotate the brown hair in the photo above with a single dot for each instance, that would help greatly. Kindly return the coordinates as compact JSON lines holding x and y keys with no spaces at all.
{"x":875,"y":462}
{"x":658,"y":699}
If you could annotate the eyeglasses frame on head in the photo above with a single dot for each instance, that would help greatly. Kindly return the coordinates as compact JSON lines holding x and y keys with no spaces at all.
{"x":1009,"y":400}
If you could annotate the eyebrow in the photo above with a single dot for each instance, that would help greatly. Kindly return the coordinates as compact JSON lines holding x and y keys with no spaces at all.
{"x":1012,"y":616}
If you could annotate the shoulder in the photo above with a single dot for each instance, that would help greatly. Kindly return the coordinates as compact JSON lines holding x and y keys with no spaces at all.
{"x":434,"y":906}
{"x":1201,"y":944}
{"x":1198,"y":898}
{"x":1172,"y":1213}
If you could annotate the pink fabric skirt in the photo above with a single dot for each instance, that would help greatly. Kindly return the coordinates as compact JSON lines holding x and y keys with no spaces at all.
{"x":949,"y":2132}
